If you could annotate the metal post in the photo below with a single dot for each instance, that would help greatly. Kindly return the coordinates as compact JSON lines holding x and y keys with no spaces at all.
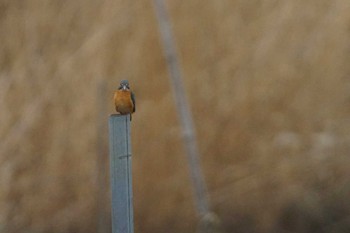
{"x":121,"y":175}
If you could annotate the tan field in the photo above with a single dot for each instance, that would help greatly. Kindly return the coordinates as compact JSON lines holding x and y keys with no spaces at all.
{"x":268,"y":84}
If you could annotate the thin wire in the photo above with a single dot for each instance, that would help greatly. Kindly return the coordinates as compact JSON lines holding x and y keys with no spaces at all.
{"x":184,"y":112}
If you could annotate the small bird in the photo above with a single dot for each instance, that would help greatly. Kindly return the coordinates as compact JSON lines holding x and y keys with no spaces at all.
{"x":124,"y":99}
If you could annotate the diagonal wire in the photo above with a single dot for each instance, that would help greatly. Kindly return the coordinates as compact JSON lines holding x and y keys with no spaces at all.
{"x":189,"y":137}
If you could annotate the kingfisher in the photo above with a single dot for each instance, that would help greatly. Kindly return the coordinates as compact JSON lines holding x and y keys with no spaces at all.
{"x":124,"y":99}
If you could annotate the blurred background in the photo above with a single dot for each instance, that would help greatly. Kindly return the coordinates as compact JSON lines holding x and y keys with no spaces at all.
{"x":268,"y":84}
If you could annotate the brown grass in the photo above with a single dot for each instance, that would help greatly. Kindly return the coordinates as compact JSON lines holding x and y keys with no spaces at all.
{"x":268,"y":83}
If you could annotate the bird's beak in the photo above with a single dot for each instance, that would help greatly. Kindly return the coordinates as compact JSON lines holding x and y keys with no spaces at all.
{"x":124,"y":88}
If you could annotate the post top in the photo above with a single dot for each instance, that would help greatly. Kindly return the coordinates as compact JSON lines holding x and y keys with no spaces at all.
{"x":118,"y":115}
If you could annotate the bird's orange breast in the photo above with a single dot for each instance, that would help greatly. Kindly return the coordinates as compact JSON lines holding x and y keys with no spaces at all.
{"x":123,"y":102}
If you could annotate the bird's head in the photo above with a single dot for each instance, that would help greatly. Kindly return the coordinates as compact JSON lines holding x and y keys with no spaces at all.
{"x":124,"y":85}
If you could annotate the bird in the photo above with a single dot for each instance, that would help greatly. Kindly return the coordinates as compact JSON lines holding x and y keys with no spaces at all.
{"x":124,"y":99}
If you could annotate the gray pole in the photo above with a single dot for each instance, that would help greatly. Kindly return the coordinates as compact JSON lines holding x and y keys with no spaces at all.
{"x":121,"y":174}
